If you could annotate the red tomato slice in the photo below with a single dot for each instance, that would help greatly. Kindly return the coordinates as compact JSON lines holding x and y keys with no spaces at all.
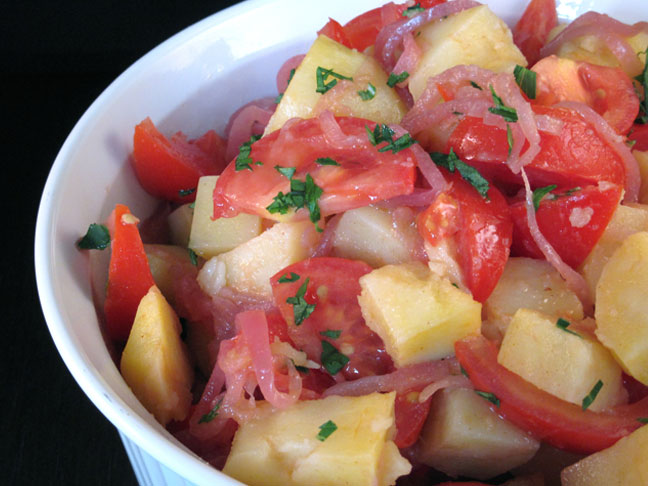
{"x":129,"y":275}
{"x":410,"y":416}
{"x":167,"y":167}
{"x":482,"y":228}
{"x":559,"y":423}
{"x":364,"y":175}
{"x":640,"y":135}
{"x":571,"y":221}
{"x":532,"y":30}
{"x":333,"y":30}
{"x":333,"y":288}
{"x":607,"y":90}
{"x":577,"y":156}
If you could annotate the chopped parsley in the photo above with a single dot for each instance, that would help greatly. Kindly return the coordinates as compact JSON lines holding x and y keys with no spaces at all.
{"x":211,"y":415}
{"x":509,"y":114}
{"x":643,"y":81}
{"x":243,"y":159}
{"x":367,"y":94}
{"x":288,"y":279}
{"x":509,"y":139}
{"x":301,"y":369}
{"x":413,"y":10}
{"x":333,"y":334}
{"x":470,"y":174}
{"x":280,"y":95}
{"x":526,"y":80}
{"x":193,"y":257}
{"x":326,"y":429}
{"x":475,"y":85}
{"x":591,"y":396}
{"x":323,"y":83}
{"x":382,"y":133}
{"x":564,"y":324}
{"x":463,"y":371}
{"x":489,"y":396}
{"x":540,"y":193}
{"x":288,"y":172}
{"x":96,"y":238}
{"x":301,"y":308}
{"x":643,"y":420}
{"x":326,"y":161}
{"x":332,"y":359}
{"x":186,"y":192}
{"x":302,"y":194}
{"x":394,"y":78}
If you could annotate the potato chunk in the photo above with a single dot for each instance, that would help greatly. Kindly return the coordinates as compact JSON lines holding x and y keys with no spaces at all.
{"x":642,"y":160}
{"x":530,"y":284}
{"x":418,"y":314}
{"x":473,"y":36}
{"x":154,"y":363}
{"x":166,"y":263}
{"x":248,"y":267}
{"x":463,"y":436}
{"x":369,"y":234}
{"x":625,"y":221}
{"x":623,"y":464}
{"x":282,"y":447}
{"x":209,"y":237}
{"x":622,"y":308}
{"x":180,"y":224}
{"x":302,"y":100}
{"x":559,"y":362}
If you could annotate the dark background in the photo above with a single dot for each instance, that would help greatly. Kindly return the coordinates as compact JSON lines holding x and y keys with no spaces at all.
{"x":56,"y":57}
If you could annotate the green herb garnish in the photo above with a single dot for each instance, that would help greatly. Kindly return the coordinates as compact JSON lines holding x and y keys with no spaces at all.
{"x":591,"y":396}
{"x":288,"y":279}
{"x":211,"y":415}
{"x":394,"y":78}
{"x":326,"y":429}
{"x":469,"y":174}
{"x":302,"y":194}
{"x":193,"y":257}
{"x":288,"y":172}
{"x":509,"y":114}
{"x":643,"y":420}
{"x":333,"y":334}
{"x":369,"y":93}
{"x":280,"y":95}
{"x":326,"y":161}
{"x":243,"y":159}
{"x":540,"y":193}
{"x":186,"y":192}
{"x":526,"y":80}
{"x":463,"y":371}
{"x":332,"y":359}
{"x":643,"y":81}
{"x":476,"y":86}
{"x":382,"y":133}
{"x":564,"y":324}
{"x":509,"y":139}
{"x":489,"y":396}
{"x":321,"y":78}
{"x":413,"y":10}
{"x":301,"y":308}
{"x":96,"y":238}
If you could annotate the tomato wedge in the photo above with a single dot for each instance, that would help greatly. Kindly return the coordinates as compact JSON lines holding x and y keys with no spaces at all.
{"x":482,"y":229}
{"x":129,"y":275}
{"x":331,"y":286}
{"x":571,"y":219}
{"x":577,"y":156}
{"x":333,"y":30}
{"x":532,"y":30}
{"x":335,"y":152}
{"x":559,"y":423}
{"x":169,"y":168}
{"x":410,"y":416}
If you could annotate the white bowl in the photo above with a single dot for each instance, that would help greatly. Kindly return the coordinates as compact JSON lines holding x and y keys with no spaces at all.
{"x":191,"y":82}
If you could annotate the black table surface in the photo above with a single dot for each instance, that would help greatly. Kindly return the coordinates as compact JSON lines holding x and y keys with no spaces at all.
{"x":57,"y":57}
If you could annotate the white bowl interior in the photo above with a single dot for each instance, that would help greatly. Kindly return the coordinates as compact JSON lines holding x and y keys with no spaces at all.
{"x":192,"y":82}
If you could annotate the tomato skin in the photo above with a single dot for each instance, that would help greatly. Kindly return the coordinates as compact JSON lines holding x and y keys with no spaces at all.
{"x":410,"y":416}
{"x":532,"y":30}
{"x":546,"y":417}
{"x":333,"y":30}
{"x":483,"y":230}
{"x":364,"y":175}
{"x":640,"y":135}
{"x":572,"y":243}
{"x":166,"y":166}
{"x":333,"y":288}
{"x":129,"y":275}
{"x":577,"y":156}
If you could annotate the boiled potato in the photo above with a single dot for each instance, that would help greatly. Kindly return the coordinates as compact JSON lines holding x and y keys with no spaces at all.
{"x":303,"y":101}
{"x":559,"y":362}
{"x":642,"y":160}
{"x":473,"y":36}
{"x":180,"y":224}
{"x":622,"y":308}
{"x":166,"y":263}
{"x":418,"y":314}
{"x":463,"y":436}
{"x":154,"y":363}
{"x":282,"y":447}
{"x":623,"y":464}
{"x":210,"y":237}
